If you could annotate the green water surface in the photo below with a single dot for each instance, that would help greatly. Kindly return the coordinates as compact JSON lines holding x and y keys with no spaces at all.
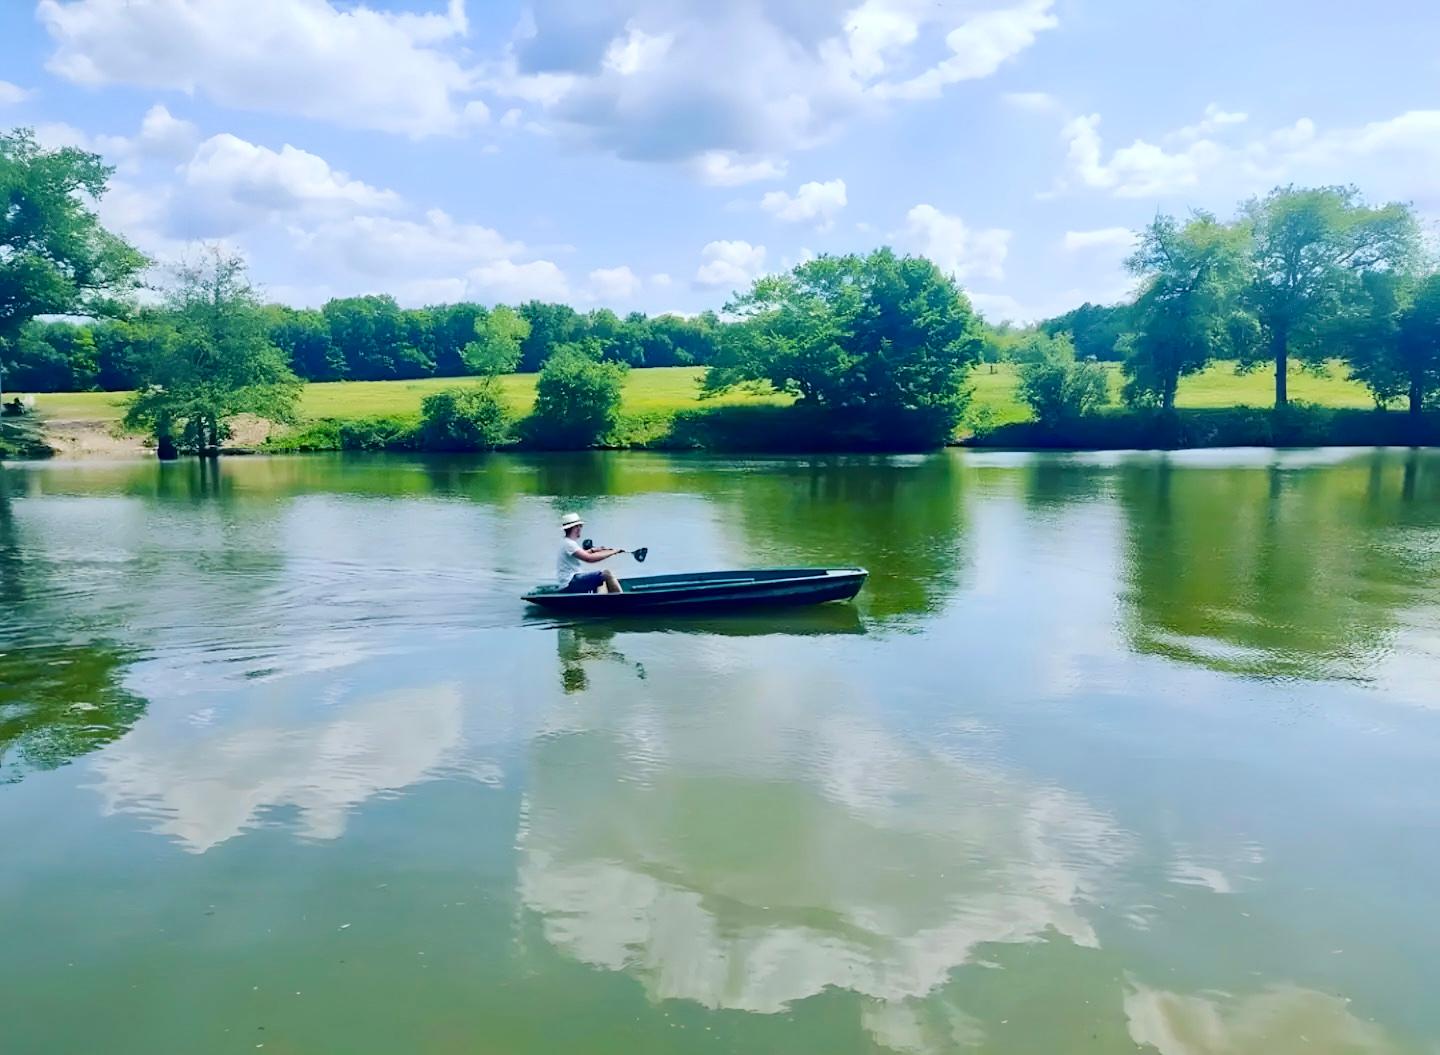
{"x":1114,"y":753}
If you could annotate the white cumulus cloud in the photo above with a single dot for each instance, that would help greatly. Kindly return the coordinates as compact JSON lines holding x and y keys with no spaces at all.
{"x":511,"y":282}
{"x":817,"y":203}
{"x":721,"y":168}
{"x":397,"y":246}
{"x":165,"y":136}
{"x":12,"y":93}
{"x":312,"y":230}
{"x":343,"y":63}
{"x":954,"y":246}
{"x":730,"y":264}
{"x":1392,"y":156}
{"x":1213,"y":121}
{"x":614,"y":283}
{"x":718,"y":85}
{"x":978,"y":47}
{"x":231,"y":183}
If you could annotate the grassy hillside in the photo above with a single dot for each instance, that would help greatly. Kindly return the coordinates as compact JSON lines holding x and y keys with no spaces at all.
{"x":674,"y":388}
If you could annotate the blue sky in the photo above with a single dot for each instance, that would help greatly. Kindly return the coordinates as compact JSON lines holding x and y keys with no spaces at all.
{"x":657,"y":155}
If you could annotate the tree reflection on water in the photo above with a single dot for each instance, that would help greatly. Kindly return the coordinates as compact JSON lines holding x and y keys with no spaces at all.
{"x":1278,"y":573}
{"x":59,"y":703}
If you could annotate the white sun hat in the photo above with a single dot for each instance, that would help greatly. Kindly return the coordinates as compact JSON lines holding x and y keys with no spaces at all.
{"x":570,"y":520}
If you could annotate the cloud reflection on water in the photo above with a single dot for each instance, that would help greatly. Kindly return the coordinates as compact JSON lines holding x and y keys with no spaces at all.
{"x":1279,"y":1020}
{"x":782,"y":842}
{"x":203,"y":786}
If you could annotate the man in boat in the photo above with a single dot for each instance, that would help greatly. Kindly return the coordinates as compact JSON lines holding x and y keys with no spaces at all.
{"x":570,"y":570}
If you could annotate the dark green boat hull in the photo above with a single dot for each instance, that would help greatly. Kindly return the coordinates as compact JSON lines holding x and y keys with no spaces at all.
{"x":710,"y":591}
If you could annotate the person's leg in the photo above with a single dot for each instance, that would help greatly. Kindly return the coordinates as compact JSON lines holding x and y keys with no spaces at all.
{"x":585,"y":582}
{"x":612,"y":584}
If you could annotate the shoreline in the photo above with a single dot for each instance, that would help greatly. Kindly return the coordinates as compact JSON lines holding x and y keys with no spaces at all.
{"x":768,"y":430}
{"x":122,"y":450}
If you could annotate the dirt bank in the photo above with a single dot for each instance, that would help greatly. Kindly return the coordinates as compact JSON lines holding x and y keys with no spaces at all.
{"x":88,"y":438}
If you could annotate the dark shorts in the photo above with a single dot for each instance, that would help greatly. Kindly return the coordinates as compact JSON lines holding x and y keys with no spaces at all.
{"x":585,"y":582}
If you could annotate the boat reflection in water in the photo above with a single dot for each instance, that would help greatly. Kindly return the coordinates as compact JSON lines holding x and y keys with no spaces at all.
{"x":592,"y":641}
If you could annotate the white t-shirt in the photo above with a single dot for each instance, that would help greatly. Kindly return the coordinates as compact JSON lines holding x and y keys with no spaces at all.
{"x":568,"y":566}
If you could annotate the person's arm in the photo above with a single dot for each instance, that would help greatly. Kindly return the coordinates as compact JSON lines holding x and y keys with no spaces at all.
{"x":596,"y":555}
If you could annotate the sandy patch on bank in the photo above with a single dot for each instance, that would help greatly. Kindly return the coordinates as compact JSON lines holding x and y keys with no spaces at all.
{"x":88,"y":438}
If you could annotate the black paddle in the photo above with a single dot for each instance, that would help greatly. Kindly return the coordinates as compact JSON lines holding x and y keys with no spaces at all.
{"x":639,"y":554}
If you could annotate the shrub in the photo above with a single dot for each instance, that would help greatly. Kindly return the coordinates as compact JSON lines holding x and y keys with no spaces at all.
{"x":378,"y":434}
{"x":806,"y":428}
{"x":1057,"y":389}
{"x":1299,"y":426}
{"x":22,"y":439}
{"x":463,"y":419}
{"x":577,"y":401}
{"x":357,"y":434}
{"x":322,"y":435}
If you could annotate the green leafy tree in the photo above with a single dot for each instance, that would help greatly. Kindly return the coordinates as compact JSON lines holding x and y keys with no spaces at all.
{"x":1056,"y":386}
{"x":1187,"y":312}
{"x":1391,"y":338}
{"x":1095,"y":328}
{"x":213,"y":362}
{"x":604,"y":327}
{"x":123,"y":346}
{"x":453,"y":328}
{"x":464,"y":419}
{"x":53,"y":357}
{"x":376,"y":339}
{"x":674,"y":341}
{"x":882,"y":332}
{"x":998,"y":343}
{"x":304,"y":337}
{"x":632,"y":340}
{"x":1418,"y":349}
{"x":416,"y":355}
{"x":55,"y":257}
{"x":577,"y":399}
{"x":551,"y":325}
{"x":1036,"y":346}
{"x":1310,"y":248}
{"x":499,"y":336}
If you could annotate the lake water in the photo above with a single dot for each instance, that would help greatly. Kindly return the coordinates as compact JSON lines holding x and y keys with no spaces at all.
{"x":1114,"y":753}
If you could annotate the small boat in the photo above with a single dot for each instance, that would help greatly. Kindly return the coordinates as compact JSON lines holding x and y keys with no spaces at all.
{"x":693,"y":591}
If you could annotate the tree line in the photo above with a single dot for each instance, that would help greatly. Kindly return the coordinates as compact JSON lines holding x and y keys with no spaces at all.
{"x":368,"y":338}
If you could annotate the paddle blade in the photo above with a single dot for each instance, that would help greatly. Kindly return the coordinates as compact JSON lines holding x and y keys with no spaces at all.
{"x":641,"y":553}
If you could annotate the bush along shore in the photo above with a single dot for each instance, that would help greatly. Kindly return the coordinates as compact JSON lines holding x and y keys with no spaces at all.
{"x":800,"y":429}
{"x":23,"y":438}
{"x":755,"y":429}
{"x":1295,"y":425}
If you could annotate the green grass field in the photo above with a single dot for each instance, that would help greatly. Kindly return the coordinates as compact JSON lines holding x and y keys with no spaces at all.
{"x":1218,"y":386}
{"x":667,"y":389}
{"x":663,"y":389}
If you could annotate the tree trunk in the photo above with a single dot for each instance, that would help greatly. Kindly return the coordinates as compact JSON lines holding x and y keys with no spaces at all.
{"x":1417,"y":406}
{"x":1280,"y":351}
{"x":209,"y":438}
{"x":1167,"y":394}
